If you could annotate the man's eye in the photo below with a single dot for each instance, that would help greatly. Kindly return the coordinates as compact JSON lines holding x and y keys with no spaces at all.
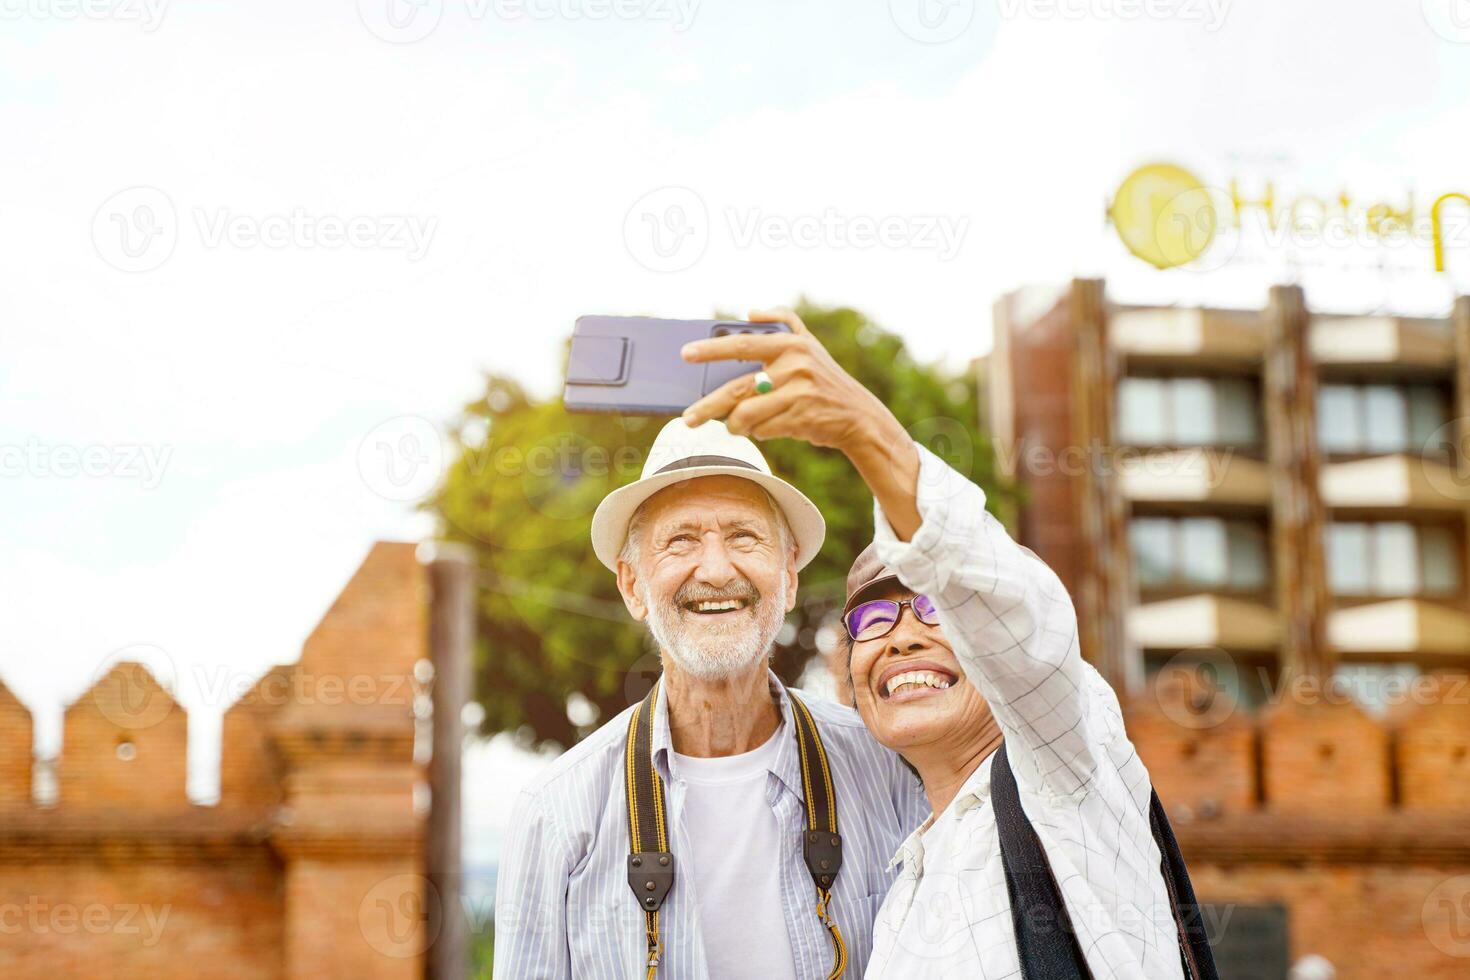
{"x":681,"y":539}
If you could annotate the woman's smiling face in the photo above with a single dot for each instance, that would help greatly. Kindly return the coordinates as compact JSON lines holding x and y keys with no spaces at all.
{"x":908,"y":684}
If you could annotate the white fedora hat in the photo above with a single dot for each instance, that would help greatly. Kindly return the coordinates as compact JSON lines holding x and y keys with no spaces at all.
{"x":682,"y":452}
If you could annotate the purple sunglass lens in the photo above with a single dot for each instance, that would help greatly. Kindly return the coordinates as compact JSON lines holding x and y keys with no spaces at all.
{"x":924,"y":608}
{"x":871,"y":618}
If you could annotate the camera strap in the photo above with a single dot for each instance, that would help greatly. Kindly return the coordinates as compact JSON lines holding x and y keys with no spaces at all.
{"x":1046,"y":942}
{"x":651,"y":863}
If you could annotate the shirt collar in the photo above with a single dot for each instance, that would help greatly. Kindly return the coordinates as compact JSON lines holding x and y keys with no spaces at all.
{"x":974,"y":792}
{"x":786,"y":766}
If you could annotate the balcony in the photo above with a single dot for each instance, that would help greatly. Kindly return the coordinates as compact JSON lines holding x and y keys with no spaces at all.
{"x":1204,"y":621}
{"x":1400,"y":626}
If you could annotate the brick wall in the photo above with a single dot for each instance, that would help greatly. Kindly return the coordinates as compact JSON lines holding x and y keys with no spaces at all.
{"x":1359,"y":826}
{"x":309,"y":866}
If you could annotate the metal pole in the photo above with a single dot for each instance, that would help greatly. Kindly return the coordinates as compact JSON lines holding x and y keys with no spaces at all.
{"x":451,"y":650}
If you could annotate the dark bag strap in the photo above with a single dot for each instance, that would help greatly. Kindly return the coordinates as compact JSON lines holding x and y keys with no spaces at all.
{"x":651,"y":863}
{"x":1037,"y":911}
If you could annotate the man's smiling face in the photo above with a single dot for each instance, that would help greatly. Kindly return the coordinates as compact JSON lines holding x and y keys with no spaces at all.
{"x":711,"y":571}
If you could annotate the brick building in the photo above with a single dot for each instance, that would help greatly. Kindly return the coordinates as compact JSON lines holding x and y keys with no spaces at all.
{"x":309,"y":866}
{"x":1262,"y":518}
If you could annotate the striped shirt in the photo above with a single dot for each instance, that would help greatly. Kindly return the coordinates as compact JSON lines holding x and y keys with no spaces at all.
{"x":1011,"y":625}
{"x":563,"y":907}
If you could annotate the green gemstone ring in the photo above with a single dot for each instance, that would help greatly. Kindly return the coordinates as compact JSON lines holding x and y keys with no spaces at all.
{"x":763,"y":383}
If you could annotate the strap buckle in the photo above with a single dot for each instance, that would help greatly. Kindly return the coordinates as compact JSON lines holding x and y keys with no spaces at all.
{"x":823,"y":854}
{"x":651,"y":875}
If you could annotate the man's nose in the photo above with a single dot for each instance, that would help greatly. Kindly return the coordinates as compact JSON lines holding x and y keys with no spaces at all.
{"x":715,"y":567}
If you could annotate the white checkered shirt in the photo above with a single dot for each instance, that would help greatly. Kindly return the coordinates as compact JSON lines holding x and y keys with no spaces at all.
{"x":1013,"y":629}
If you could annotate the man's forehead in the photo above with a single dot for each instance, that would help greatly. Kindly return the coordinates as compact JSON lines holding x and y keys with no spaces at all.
{"x":734,"y":496}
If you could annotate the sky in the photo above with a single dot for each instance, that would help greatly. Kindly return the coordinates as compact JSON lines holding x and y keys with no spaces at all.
{"x":260,"y":253}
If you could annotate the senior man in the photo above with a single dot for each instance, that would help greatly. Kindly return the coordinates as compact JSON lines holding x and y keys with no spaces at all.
{"x":725,"y":826}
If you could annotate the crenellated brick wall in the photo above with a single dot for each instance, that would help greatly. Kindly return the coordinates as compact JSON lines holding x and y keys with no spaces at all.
{"x":309,"y":866}
{"x":1358,"y":826}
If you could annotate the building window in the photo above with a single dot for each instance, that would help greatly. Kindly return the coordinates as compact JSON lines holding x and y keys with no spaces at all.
{"x":1392,"y":558}
{"x":1188,"y":412}
{"x":1210,"y":552}
{"x":1381,"y":418}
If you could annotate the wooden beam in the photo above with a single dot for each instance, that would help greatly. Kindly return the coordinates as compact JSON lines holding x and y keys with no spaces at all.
{"x":1106,"y":586}
{"x":452,"y":576}
{"x":1298,"y":516}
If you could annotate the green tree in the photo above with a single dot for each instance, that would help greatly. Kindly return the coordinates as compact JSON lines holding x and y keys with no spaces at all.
{"x":529,"y":475}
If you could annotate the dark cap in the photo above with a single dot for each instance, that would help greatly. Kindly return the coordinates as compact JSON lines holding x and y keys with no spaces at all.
{"x":867,"y":571}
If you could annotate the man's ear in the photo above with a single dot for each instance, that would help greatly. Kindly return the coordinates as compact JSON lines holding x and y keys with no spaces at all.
{"x":791,"y":579}
{"x":628,"y":586}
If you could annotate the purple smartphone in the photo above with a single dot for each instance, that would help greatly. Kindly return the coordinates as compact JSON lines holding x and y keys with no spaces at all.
{"x":631,"y":364}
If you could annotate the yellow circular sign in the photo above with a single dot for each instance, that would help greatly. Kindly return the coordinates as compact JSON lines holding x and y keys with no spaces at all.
{"x":1164,"y":215}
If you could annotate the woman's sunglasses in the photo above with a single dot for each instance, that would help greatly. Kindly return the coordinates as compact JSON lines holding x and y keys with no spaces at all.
{"x":877,"y":617}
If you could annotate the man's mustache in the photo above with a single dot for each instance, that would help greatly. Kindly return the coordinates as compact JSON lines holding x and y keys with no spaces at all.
{"x":699,"y":592}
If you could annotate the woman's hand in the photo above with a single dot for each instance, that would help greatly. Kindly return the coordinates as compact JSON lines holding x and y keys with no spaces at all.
{"x":816,"y":401}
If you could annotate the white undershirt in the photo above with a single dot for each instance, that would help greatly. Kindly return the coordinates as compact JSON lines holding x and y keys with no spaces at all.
{"x":737,"y":877}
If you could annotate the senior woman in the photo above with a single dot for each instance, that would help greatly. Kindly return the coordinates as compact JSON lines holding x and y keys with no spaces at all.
{"x":964,"y":643}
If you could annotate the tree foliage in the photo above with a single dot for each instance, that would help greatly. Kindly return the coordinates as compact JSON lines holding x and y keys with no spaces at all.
{"x":529,"y":475}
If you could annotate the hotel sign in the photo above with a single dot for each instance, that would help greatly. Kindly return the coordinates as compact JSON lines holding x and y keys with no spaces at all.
{"x":1169,"y":217}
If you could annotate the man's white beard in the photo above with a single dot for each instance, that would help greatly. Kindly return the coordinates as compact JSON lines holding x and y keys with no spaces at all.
{"x":710,"y":652}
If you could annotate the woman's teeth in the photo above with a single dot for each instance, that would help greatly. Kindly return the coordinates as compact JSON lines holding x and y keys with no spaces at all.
{"x":916,"y":678}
